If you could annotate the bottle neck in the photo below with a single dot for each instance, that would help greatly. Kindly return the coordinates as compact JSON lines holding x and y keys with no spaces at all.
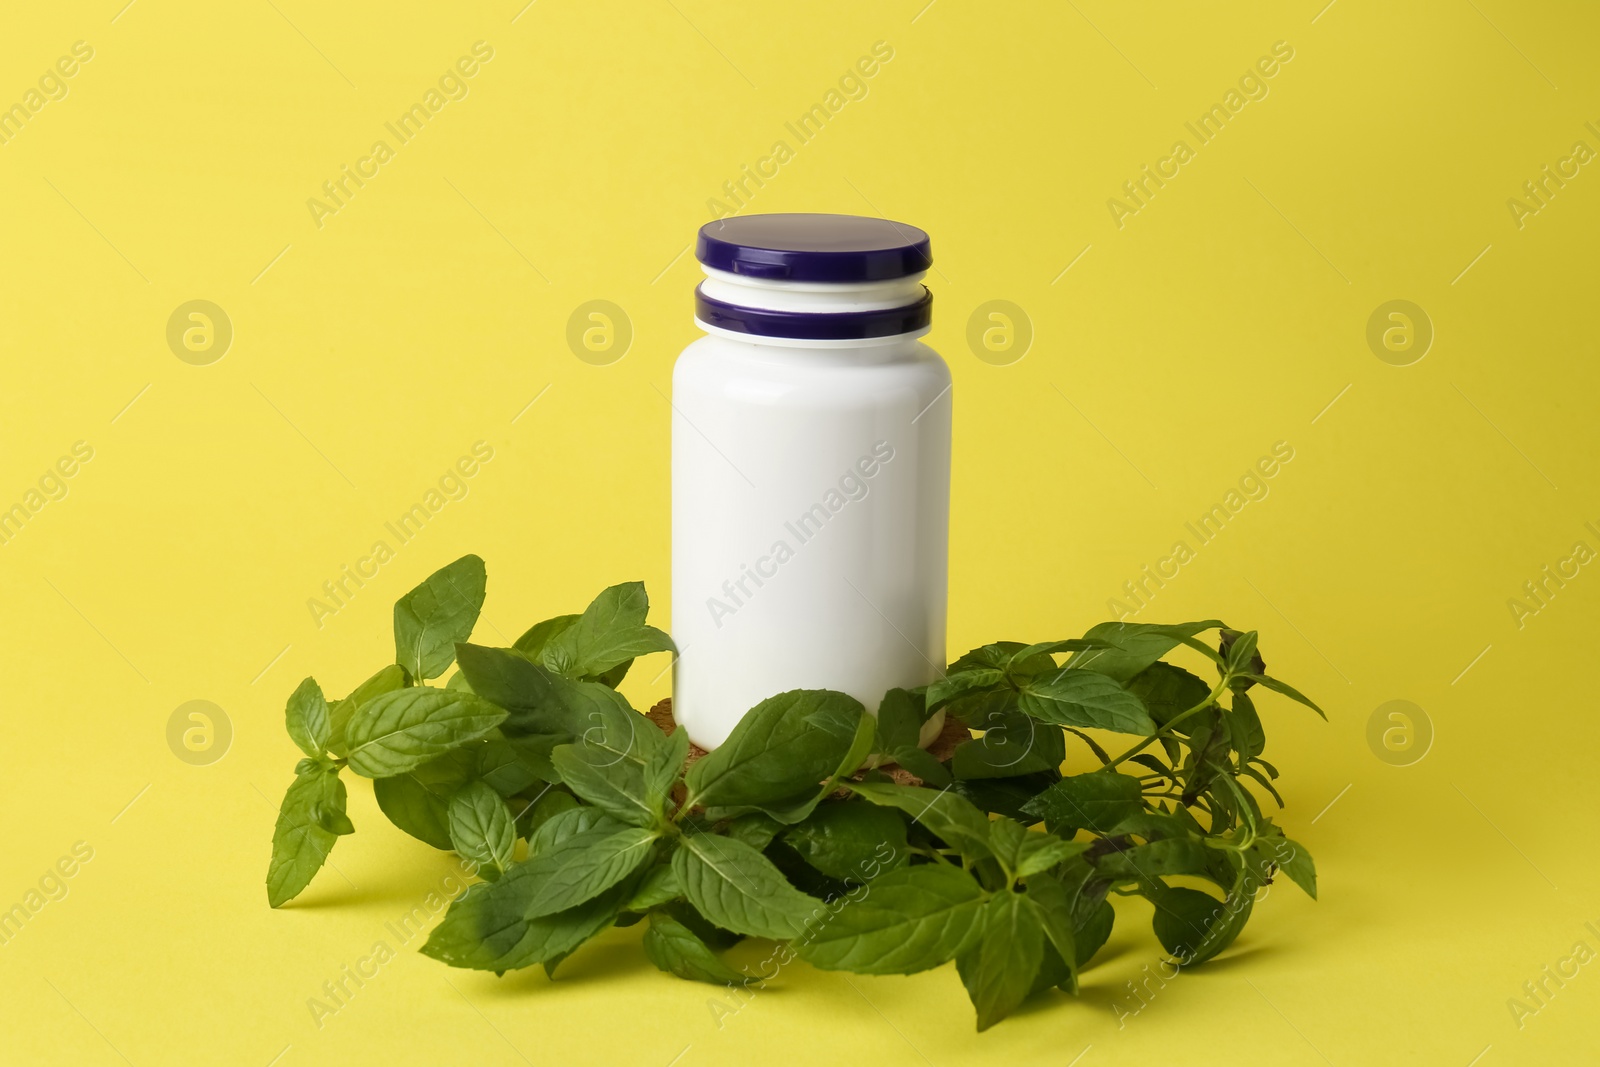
{"x":812,"y":298}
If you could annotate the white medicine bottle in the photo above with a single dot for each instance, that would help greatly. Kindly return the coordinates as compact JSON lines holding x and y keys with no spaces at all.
{"x":810,"y":469}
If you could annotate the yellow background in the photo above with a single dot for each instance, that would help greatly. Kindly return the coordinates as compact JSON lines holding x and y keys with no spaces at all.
{"x":370,"y":353}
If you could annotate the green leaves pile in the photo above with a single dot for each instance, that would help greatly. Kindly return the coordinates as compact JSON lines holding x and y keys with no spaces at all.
{"x":580,"y":814}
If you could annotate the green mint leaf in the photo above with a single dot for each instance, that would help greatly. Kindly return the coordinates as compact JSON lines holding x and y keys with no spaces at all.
{"x":415,"y":809}
{"x":1244,"y":728}
{"x":739,"y":889}
{"x":395,"y":732}
{"x":1003,"y":655}
{"x":340,"y":712}
{"x":534,"y":752}
{"x":512,"y":766}
{"x":1168,"y":692}
{"x":480,"y":827}
{"x":852,"y":841}
{"x":1012,"y":743}
{"x":1195,"y":926}
{"x":1005,"y":840}
{"x":418,"y":801}
{"x":429,"y":620}
{"x":332,"y":818}
{"x":1286,"y":690}
{"x":615,"y":675}
{"x":1095,"y":801}
{"x":301,"y":840}
{"x":610,"y":632}
{"x":953,"y":685}
{"x":1040,"y":852}
{"x":512,"y":680}
{"x":1091,"y":929}
{"x":951,"y":817}
{"x":899,"y":721}
{"x":610,"y":781}
{"x":486,"y":930}
{"x":660,"y":886}
{"x":540,"y":634}
{"x":779,"y":753}
{"x":582,"y":867}
{"x":546,"y":709}
{"x":1087,"y":698}
{"x":1022,"y":852}
{"x":855,"y":757}
{"x":803,"y":876}
{"x":663,"y":766}
{"x":572,"y":822}
{"x":909,"y":919}
{"x":998,"y":971}
{"x":1207,"y":763}
{"x":1053,"y":905}
{"x":1053,"y":971}
{"x":1050,"y":648}
{"x":974,"y":710}
{"x":611,"y":726}
{"x":921,"y":764}
{"x":549,"y":804}
{"x":1265,"y":783}
{"x":1239,"y":653}
{"x":1293,"y":860}
{"x":717,"y":937}
{"x":674,"y":948}
{"x":860,"y":748}
{"x":1133,"y":646}
{"x":1153,"y":826}
{"x":756,"y":829}
{"x":1006,"y":796}
{"x":1171,"y":855}
{"x":306,"y":718}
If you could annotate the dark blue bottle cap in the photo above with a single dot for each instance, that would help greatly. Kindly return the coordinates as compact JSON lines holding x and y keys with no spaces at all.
{"x":800,"y":247}
{"x":811,"y":326}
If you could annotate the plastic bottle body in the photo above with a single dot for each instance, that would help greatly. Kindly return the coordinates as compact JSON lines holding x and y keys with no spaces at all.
{"x":810,"y":516}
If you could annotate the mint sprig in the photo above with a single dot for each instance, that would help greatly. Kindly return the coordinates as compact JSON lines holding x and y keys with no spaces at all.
{"x":816,"y":823}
